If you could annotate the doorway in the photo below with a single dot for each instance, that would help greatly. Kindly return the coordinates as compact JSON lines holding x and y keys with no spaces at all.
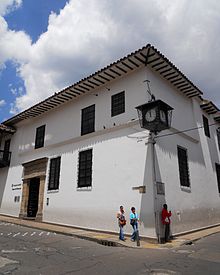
{"x":33,"y":197}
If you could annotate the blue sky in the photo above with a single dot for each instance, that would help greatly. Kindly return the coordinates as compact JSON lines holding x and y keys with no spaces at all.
{"x":32,"y":18}
{"x":46,"y":45}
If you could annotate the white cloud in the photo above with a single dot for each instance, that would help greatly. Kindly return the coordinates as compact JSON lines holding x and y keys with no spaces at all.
{"x":7,"y":6}
{"x":87,"y":35}
{"x":14,"y":46}
{"x":2,"y":102}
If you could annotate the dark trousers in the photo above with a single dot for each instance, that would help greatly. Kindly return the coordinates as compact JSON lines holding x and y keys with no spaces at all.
{"x":167,"y":232}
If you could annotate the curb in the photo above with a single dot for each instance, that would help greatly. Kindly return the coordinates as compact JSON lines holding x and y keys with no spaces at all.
{"x":105,"y":241}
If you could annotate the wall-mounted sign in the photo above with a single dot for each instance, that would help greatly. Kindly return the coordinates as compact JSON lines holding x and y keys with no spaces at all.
{"x":160,"y":188}
{"x":16,"y":186}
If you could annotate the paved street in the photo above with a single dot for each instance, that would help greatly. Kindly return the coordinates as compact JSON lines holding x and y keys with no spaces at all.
{"x":30,"y":251}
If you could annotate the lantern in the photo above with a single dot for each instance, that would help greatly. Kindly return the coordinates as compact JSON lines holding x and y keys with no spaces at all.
{"x":155,"y":115}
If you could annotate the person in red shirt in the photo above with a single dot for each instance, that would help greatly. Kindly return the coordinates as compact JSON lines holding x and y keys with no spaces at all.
{"x":165,"y":216}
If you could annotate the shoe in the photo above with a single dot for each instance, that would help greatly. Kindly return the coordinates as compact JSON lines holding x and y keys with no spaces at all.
{"x":132,"y":240}
{"x":122,"y":240}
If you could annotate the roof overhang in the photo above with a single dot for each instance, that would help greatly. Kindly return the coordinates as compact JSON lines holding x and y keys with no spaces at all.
{"x":209,"y":107}
{"x":146,"y":56}
{"x":6,"y":129}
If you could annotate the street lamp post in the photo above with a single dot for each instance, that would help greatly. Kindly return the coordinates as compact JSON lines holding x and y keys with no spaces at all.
{"x":155,"y":116}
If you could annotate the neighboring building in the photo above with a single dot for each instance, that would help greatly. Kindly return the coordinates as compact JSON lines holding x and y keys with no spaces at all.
{"x":80,"y":154}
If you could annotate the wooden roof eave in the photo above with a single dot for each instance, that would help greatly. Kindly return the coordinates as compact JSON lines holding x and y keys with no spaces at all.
{"x":6,"y":129}
{"x":146,"y":56}
{"x":209,"y":107}
{"x":159,"y":63}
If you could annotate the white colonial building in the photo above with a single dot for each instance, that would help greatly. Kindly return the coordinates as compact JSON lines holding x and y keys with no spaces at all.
{"x":75,"y":157}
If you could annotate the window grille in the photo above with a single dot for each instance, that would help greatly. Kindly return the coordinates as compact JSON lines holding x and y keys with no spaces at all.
{"x":206,"y":126}
{"x":217,"y":167}
{"x":118,"y":104}
{"x":85,"y":169}
{"x":54,"y":176}
{"x":88,"y":120}
{"x":218,"y":137}
{"x":39,"y":139}
{"x":183,"y":167}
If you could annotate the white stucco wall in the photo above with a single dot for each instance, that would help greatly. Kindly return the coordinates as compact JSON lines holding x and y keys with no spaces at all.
{"x":121,"y":160}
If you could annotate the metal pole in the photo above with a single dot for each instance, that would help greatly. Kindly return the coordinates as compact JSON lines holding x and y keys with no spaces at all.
{"x":152,"y":142}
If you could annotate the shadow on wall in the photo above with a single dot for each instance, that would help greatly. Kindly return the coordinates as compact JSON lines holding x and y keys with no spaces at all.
{"x":213,"y":149}
{"x":147,"y":208}
{"x":80,"y":143}
{"x":3,"y":180}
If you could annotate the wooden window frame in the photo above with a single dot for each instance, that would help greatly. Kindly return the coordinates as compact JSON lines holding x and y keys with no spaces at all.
{"x":118,"y":104}
{"x":183,"y":167}
{"x":40,"y":136}
{"x":206,"y":126}
{"x":218,"y":137}
{"x":54,"y":173}
{"x":85,"y":169}
{"x":88,"y":120}
{"x":217,"y":167}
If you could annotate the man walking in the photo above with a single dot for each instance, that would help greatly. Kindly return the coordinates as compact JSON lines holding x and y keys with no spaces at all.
{"x":134,"y":224}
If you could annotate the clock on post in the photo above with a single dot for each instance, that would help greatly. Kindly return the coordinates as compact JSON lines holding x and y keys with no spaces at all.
{"x":155,"y":115}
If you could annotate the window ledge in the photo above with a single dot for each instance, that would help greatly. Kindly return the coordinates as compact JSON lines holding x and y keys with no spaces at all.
{"x":88,"y":188}
{"x":185,"y":189}
{"x":52,"y":191}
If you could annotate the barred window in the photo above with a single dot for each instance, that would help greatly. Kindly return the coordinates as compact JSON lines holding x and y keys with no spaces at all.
{"x":183,"y":166}
{"x":217,"y":167}
{"x":39,"y":139}
{"x":206,"y":126}
{"x":118,"y":104}
{"x":218,"y":137}
{"x":54,"y":176}
{"x":85,"y":169}
{"x":88,"y":120}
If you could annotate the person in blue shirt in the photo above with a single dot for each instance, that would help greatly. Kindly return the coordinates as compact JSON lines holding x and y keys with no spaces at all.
{"x":134,"y":223}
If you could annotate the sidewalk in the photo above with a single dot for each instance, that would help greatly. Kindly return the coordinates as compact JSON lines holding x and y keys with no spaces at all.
{"x":111,"y":239}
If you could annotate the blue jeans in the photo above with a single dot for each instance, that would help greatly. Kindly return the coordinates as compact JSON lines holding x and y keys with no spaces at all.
{"x":135,"y":229}
{"x":121,"y":233}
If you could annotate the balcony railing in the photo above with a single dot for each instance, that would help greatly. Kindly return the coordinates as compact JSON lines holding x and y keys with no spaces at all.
{"x":5,"y":157}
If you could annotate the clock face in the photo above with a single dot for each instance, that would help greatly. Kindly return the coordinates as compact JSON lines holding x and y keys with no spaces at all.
{"x":150,"y":115}
{"x":163,"y":116}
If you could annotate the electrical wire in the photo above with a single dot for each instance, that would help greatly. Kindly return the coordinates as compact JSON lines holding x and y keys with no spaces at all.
{"x":183,"y":131}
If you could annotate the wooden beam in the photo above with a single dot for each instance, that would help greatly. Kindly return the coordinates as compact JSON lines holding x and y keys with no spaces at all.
{"x":132,"y":62}
{"x":172,"y":77}
{"x":88,"y":85}
{"x":80,"y":85}
{"x":115,"y":72}
{"x":90,"y":81}
{"x":181,"y":86}
{"x":167,"y":70}
{"x":126,"y":65}
{"x":176,"y":80}
{"x":139,"y":59}
{"x":157,"y":64}
{"x":105,"y":78}
{"x":120,"y":69}
{"x":153,"y":60}
{"x":75,"y":92}
{"x":109,"y":75}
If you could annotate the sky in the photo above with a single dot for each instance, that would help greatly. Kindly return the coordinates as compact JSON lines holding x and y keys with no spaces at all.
{"x":47,"y":45}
